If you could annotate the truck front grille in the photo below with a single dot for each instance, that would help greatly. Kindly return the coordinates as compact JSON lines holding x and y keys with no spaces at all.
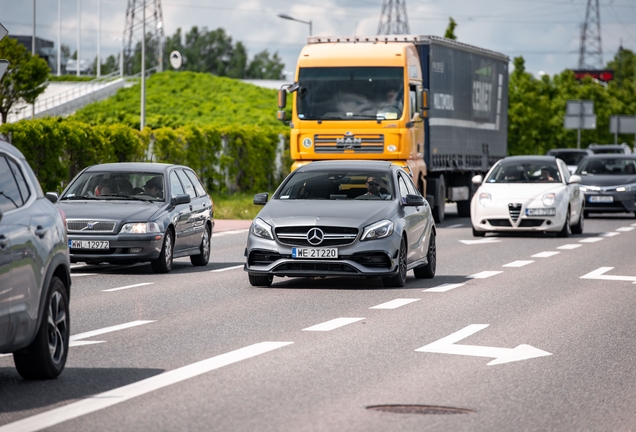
{"x":360,"y":144}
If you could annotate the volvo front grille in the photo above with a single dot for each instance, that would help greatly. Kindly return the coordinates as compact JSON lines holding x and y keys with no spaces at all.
{"x":89,"y":226}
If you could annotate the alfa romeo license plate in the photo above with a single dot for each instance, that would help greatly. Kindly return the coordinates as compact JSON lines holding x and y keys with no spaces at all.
{"x":601,"y":199}
{"x":88,"y":244}
{"x":312,"y":253}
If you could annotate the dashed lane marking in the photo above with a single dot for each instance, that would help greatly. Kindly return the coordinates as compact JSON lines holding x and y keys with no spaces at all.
{"x":227,"y":268}
{"x":591,"y":240}
{"x":625,"y":229}
{"x":481,"y":241}
{"x":444,"y":287}
{"x":455,"y":226}
{"x":519,"y":263}
{"x":82,"y":274}
{"x":224,"y":233}
{"x":484,"y":274}
{"x":547,"y":254}
{"x":569,"y":246}
{"x":122,"y":394}
{"x":333,"y":324}
{"x":610,"y":234}
{"x":128,"y":287}
{"x":394,"y":304}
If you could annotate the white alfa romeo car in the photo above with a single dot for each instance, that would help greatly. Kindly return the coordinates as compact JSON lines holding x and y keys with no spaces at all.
{"x":528,"y":193}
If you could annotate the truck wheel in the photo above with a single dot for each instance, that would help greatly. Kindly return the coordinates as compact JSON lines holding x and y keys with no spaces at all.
{"x":440,"y":204}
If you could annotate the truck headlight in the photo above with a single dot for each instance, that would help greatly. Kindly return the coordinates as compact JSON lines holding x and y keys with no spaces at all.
{"x":378,"y":230}
{"x":140,"y":228}
{"x":261,"y":229}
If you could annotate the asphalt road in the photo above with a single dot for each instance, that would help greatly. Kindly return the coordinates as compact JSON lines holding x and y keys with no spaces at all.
{"x":200,"y":349}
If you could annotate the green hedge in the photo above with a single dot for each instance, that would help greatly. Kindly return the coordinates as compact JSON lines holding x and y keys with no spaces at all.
{"x":227,"y":158}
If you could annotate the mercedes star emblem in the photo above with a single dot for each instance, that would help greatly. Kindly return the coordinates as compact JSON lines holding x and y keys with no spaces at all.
{"x":315,"y":236}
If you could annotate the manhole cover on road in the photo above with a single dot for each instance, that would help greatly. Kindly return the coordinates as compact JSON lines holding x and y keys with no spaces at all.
{"x":419,"y":409}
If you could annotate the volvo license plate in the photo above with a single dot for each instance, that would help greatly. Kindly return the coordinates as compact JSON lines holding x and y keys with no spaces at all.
{"x":313,"y":253}
{"x":601,"y":199}
{"x":88,"y":244}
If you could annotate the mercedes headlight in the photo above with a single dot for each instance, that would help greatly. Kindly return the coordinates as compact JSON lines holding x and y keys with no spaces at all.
{"x":378,"y":230}
{"x":484,"y":199}
{"x":261,"y":229}
{"x":140,"y":228}
{"x":548,"y":199}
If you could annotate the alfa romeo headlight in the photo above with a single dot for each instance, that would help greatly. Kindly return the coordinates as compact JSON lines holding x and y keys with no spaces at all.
{"x":548,"y":199}
{"x":484,"y":199}
{"x":140,"y":228}
{"x":261,"y":229}
{"x":378,"y":230}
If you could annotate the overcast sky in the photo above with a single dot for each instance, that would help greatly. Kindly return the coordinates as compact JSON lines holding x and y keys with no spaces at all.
{"x":545,"y":32}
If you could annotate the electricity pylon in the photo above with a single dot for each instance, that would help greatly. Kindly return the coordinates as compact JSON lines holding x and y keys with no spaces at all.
{"x":133,"y":31}
{"x":591,"y":49}
{"x":393,"y":19}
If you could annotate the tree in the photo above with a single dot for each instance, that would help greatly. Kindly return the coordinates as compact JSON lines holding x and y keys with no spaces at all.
{"x":237,"y":66}
{"x":450,"y":30}
{"x":24,"y":78}
{"x":264,"y":67}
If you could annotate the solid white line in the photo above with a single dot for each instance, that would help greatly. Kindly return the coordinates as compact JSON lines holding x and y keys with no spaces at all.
{"x":484,"y":274}
{"x":97,"y":332}
{"x":444,"y":287}
{"x":634,"y":225}
{"x":333,"y":324}
{"x":591,"y":240}
{"x":546,"y":254}
{"x":519,"y":263}
{"x":127,"y":287}
{"x":82,"y":274}
{"x":455,"y":226}
{"x":625,"y":229}
{"x":610,"y":234}
{"x":227,"y":268}
{"x":224,"y":233}
{"x":122,"y":394}
{"x":569,"y":246}
{"x":394,"y":304}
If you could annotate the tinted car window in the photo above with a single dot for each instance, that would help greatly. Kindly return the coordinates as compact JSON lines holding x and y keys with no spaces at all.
{"x":525,"y":172}
{"x":175,"y":185}
{"x":404,"y":190}
{"x":187,"y":184}
{"x":607,"y":166}
{"x":10,"y":197}
{"x":324,"y":185}
{"x":570,"y":158}
{"x":22,"y":185}
{"x":195,"y":181}
{"x":114,"y":185}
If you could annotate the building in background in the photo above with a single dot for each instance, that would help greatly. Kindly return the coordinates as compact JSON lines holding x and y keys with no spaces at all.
{"x":44,"y":48}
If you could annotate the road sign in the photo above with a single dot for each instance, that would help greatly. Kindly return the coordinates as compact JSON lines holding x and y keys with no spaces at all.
{"x":579,"y":122}
{"x":623,"y":124}
{"x":579,"y":114}
{"x":447,"y":345}
{"x":175,"y":59}
{"x":4,"y":64}
{"x":579,"y":107}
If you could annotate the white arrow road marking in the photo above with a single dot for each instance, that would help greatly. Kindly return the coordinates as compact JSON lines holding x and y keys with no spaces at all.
{"x":625,"y":229}
{"x":569,"y":246}
{"x":591,"y":240}
{"x":483,"y":275}
{"x":546,"y":254}
{"x":446,"y":345}
{"x":333,"y":324}
{"x":394,"y":304}
{"x":127,"y":287}
{"x":519,"y":263}
{"x":227,"y":268}
{"x":481,"y":241}
{"x":444,"y":287}
{"x":600,"y":274}
{"x":122,"y":394}
{"x":610,"y":234}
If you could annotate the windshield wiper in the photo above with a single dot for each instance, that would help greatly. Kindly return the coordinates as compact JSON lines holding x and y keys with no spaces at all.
{"x":134,"y":197}
{"x":79,"y":197}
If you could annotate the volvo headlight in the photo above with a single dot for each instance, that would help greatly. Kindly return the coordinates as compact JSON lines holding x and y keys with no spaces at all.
{"x":484,"y":199}
{"x":261,"y":229}
{"x":378,"y":230}
{"x":140,"y":228}
{"x":548,"y":199}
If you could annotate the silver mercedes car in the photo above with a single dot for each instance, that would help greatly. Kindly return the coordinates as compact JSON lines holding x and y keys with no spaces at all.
{"x":343,"y":218}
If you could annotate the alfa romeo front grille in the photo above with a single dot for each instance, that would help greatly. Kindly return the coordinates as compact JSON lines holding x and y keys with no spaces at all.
{"x":515,"y":211}
{"x":89,"y":226}
{"x":333,"y":236}
{"x":336,"y":143}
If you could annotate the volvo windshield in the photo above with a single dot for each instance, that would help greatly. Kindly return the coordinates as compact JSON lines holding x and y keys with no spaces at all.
{"x":351,"y":93}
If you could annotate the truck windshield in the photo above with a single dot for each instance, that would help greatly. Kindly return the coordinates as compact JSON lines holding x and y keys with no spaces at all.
{"x":351,"y":93}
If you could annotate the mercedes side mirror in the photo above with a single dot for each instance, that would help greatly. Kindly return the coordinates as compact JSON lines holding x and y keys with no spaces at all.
{"x":261,"y":198}
{"x":181,"y":199}
{"x":414,"y":200}
{"x":575,"y":178}
{"x":52,"y":196}
{"x":477,"y":179}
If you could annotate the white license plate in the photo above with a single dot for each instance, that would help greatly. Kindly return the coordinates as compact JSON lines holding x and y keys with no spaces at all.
{"x":312,"y":253}
{"x":88,"y":244}
{"x":601,"y":199}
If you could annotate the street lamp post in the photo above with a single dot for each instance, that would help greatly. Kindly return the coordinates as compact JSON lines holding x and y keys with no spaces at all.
{"x":287,"y":17}
{"x":142,"y":121}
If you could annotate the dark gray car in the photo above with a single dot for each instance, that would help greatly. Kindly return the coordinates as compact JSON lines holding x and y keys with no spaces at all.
{"x":125,"y":213}
{"x":35,"y":278}
{"x":343,"y":218}
{"x":609,"y":183}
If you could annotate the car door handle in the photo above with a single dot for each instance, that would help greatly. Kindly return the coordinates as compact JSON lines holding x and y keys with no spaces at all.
{"x":41,"y":232}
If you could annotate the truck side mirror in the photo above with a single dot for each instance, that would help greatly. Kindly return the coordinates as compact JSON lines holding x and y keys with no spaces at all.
{"x":281,"y":115}
{"x":282,"y":99}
